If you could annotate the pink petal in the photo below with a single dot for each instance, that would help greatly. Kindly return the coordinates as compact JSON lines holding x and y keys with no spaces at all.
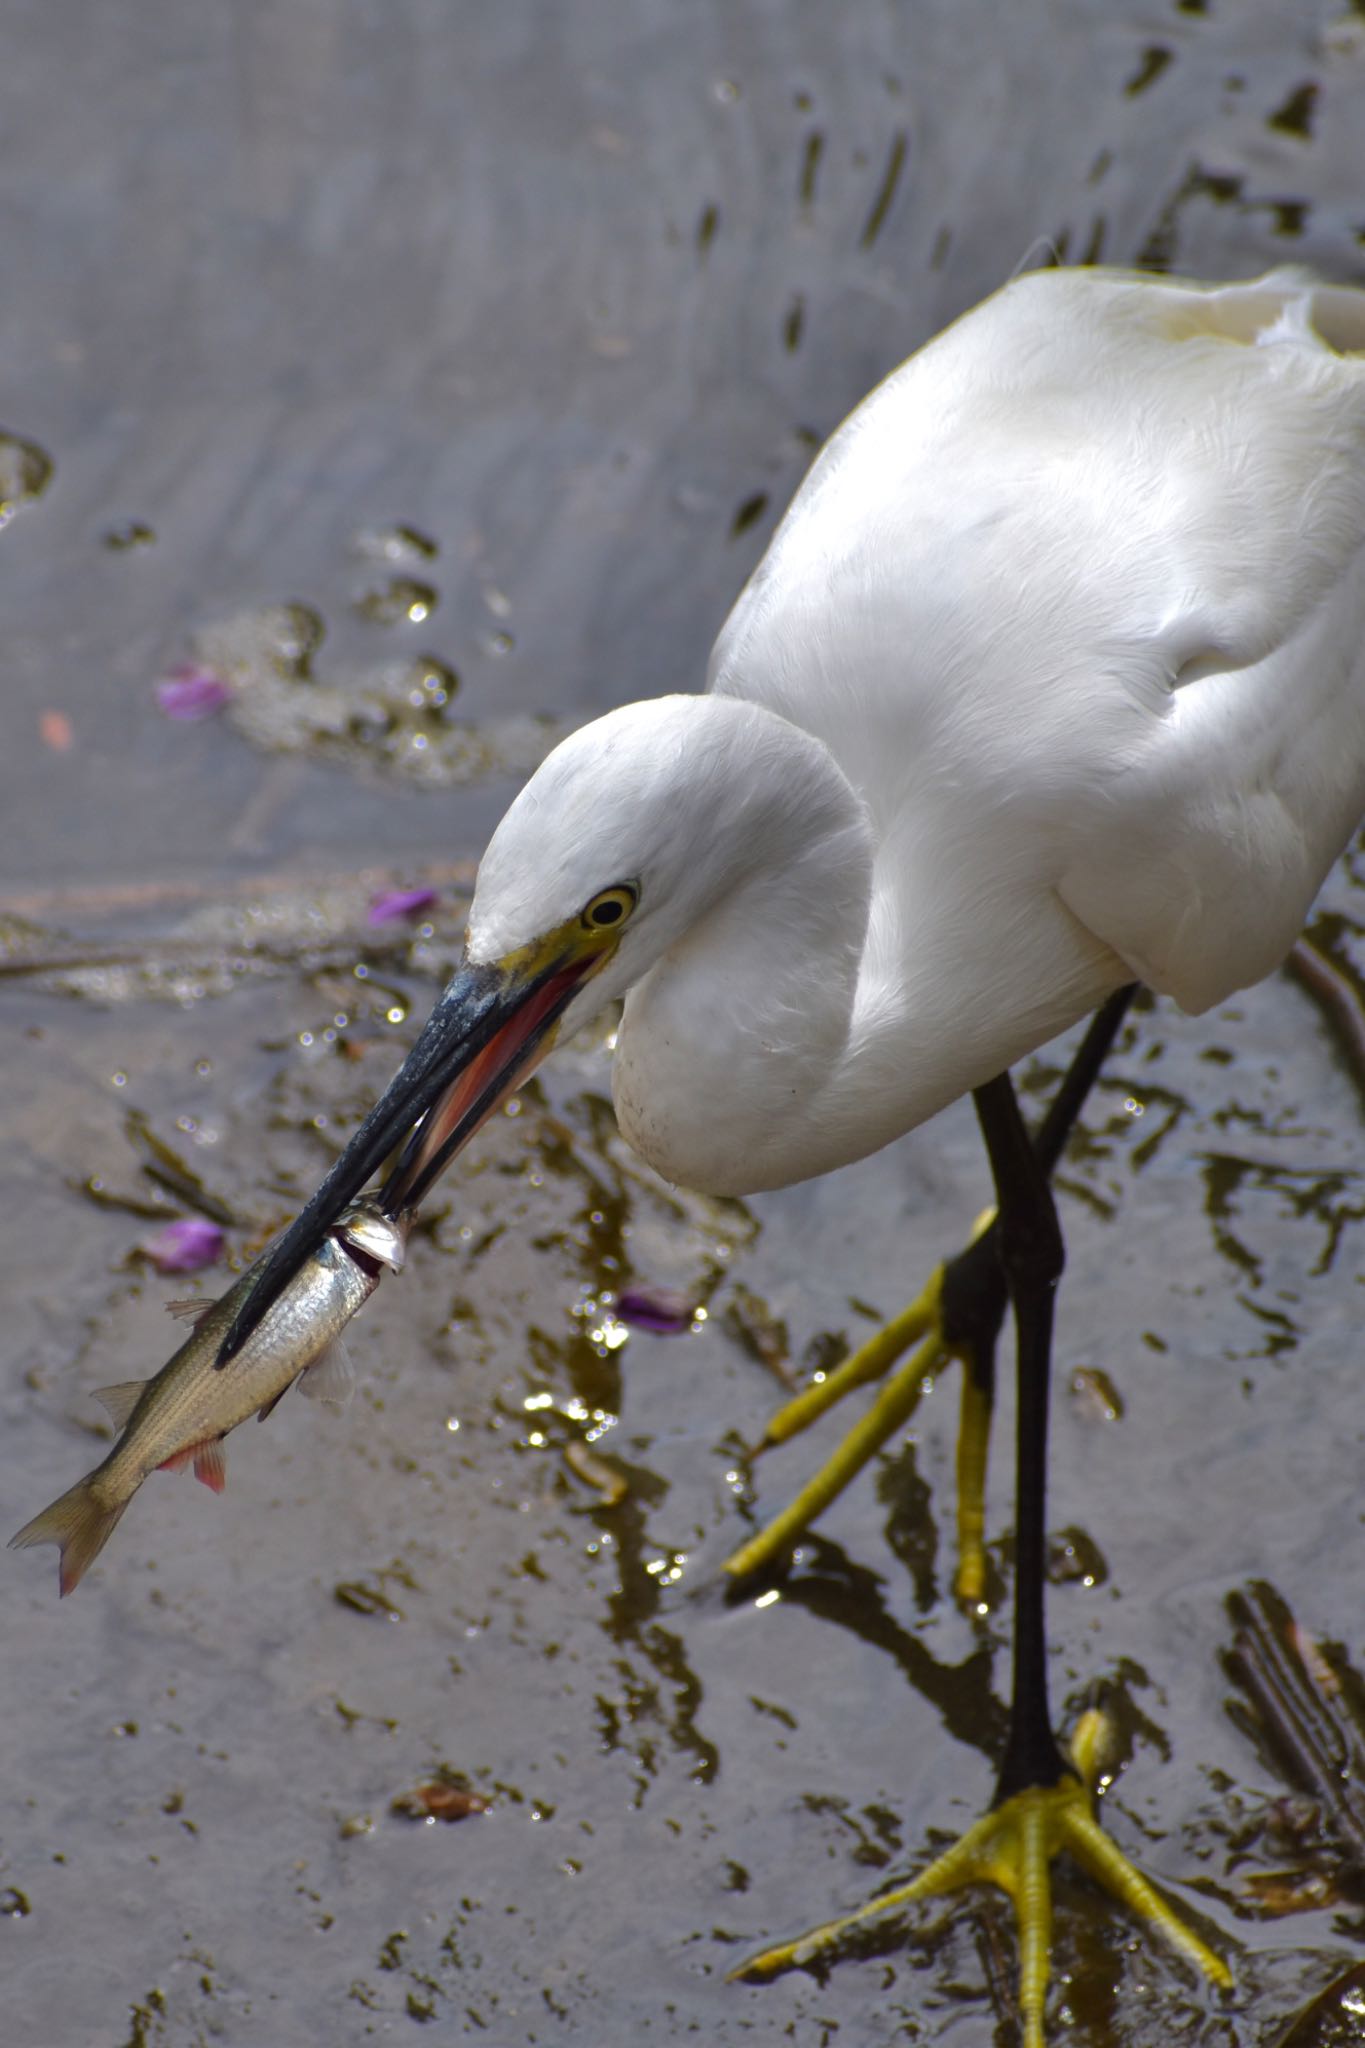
{"x":184,"y":1246}
{"x":189,"y":692}
{"x":661,"y":1309}
{"x":396,"y":903}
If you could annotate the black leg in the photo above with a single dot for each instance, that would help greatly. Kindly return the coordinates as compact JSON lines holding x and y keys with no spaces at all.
{"x":974,"y":1290}
{"x":974,"y":1294}
{"x":1032,"y":1256}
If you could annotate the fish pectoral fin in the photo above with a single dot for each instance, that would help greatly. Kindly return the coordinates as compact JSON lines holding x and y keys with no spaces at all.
{"x":331,"y":1376}
{"x":118,"y":1402}
{"x":191,"y":1308}
{"x":210,"y":1464}
{"x":208,"y":1461}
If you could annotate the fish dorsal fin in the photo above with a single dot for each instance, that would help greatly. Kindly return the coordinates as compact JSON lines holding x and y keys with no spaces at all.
{"x":331,"y":1377}
{"x":192,"y":1308}
{"x":118,"y":1402}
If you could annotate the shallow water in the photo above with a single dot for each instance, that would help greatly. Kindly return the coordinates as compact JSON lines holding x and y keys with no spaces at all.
{"x":494,"y":347}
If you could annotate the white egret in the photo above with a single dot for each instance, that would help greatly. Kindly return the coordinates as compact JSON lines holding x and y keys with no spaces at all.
{"x":1052,"y":680}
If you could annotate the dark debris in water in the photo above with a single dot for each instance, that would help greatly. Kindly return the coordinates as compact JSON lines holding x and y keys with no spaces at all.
{"x":1302,"y":1703}
{"x":761,"y":1333}
{"x":748,"y":513}
{"x":1295,"y":116}
{"x":166,"y":1167}
{"x":25,"y":473}
{"x":1335,"y":2018}
{"x":363,"y":1598}
{"x":1154,"y":60}
{"x":886,"y":191}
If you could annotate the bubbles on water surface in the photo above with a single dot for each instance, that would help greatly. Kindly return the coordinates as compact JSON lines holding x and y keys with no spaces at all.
{"x":402,"y":600}
{"x":398,"y":543}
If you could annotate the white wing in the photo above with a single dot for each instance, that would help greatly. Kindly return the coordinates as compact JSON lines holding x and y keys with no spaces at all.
{"x":1077,"y":599}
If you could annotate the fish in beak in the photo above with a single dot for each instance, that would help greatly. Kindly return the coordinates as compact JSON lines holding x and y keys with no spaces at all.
{"x":492,"y":1027}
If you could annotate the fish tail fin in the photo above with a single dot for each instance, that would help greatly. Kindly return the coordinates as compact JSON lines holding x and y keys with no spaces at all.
{"x":78,"y":1524}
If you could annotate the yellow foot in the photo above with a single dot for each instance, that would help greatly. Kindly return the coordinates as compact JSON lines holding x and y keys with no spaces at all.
{"x":920,"y":1326}
{"x":1012,"y":1847}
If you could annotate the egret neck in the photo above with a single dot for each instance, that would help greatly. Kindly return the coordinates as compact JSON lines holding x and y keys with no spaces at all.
{"x":751,"y":1007}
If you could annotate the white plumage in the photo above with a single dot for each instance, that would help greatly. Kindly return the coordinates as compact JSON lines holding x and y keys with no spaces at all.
{"x":1053,"y":677}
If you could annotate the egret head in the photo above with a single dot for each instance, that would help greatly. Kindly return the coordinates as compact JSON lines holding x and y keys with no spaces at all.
{"x":624,"y":838}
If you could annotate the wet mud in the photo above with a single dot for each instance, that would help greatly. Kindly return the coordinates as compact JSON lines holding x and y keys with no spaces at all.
{"x":431,"y":382}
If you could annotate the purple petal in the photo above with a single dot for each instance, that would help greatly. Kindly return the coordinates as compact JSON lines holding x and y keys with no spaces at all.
{"x":401,"y":903}
{"x":188,"y":691}
{"x":183,"y":1246}
{"x":661,"y":1309}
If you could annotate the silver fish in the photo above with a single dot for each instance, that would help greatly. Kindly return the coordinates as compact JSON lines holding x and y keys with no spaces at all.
{"x":181,"y":1416}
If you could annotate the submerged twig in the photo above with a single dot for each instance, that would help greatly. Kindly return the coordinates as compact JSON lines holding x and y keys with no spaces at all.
{"x":1308,"y":1706}
{"x":1337,"y":997}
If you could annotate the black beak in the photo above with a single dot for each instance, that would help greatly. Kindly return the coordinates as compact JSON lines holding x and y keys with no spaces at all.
{"x":486,"y":1034}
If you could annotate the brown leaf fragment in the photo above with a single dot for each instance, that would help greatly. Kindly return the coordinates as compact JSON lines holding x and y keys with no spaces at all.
{"x":442,"y":1799}
{"x":1279,"y":1893}
{"x":1094,"y":1395}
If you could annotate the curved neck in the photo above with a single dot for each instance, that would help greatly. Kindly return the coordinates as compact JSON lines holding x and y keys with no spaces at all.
{"x":811,"y":1011}
{"x":747,"y":1015}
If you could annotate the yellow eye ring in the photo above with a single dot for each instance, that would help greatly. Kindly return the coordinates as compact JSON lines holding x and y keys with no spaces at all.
{"x":611,"y":909}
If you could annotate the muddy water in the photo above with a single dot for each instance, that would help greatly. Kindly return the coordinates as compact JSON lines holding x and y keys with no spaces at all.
{"x":492,"y":348}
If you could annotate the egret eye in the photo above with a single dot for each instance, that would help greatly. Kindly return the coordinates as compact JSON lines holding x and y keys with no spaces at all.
{"x":612,"y":907}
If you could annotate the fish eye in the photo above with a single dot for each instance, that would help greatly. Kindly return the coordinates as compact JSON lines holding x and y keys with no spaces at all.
{"x":612,"y":907}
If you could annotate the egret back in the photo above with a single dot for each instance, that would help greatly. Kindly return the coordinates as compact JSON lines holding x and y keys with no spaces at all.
{"x":1076,"y":600}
